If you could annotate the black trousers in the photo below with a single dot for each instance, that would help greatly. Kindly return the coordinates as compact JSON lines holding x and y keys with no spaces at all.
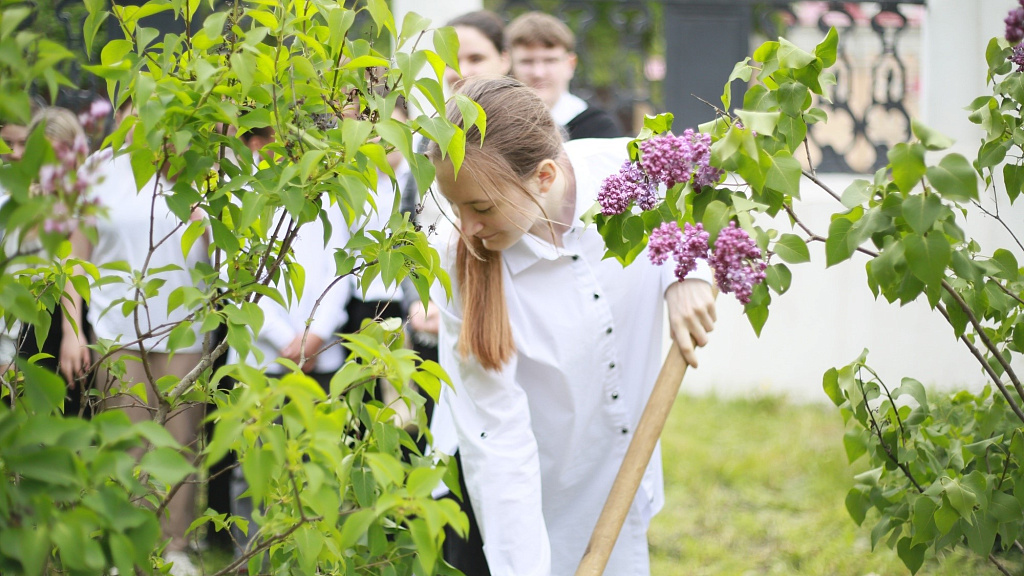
{"x":466,"y":555}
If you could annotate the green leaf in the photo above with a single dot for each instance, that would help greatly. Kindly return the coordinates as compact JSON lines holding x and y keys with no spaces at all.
{"x":757,"y":314}
{"x":914,"y":389}
{"x":182,"y":336}
{"x":1004,"y":507}
{"x":946,"y":517}
{"x":167,"y":465}
{"x":908,"y":166}
{"x":446,"y":45}
{"x":912,"y":556}
{"x":858,"y":192}
{"x":193,"y":232}
{"x":1013,"y":176}
{"x":763,"y":123}
{"x":792,"y":249}
{"x":993,"y":153}
{"x":827,"y":48}
{"x":960,"y":498}
{"x":474,"y":115}
{"x":954,"y":178}
{"x":791,"y":56}
{"x":742,"y":70}
{"x":793,"y":98}
{"x":45,"y":395}
{"x":837,"y":245}
{"x":782,"y":173}
{"x":830,"y":383}
{"x":412,"y":25}
{"x":927,"y":256}
{"x":855,"y":445}
{"x":381,"y":15}
{"x":224,"y":238}
{"x":921,"y":211}
{"x":355,"y":527}
{"x":981,"y":534}
{"x":1007,"y":263}
{"x":716,"y":216}
{"x":778,"y":278}
{"x":930,"y":139}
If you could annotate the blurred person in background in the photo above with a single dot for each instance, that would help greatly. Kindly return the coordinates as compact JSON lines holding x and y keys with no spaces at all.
{"x":543,"y":54}
{"x":134,"y":216}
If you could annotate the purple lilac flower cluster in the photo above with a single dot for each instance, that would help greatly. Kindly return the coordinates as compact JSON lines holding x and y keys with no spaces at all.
{"x":665,"y":159}
{"x":628,"y":185}
{"x":69,"y":183}
{"x":737,"y":262}
{"x":1018,"y":57}
{"x":673,"y":159}
{"x":736,"y":259}
{"x":1015,"y":24}
{"x":686,"y":246}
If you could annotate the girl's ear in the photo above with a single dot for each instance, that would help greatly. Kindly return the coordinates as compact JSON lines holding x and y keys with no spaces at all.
{"x":546,"y":174}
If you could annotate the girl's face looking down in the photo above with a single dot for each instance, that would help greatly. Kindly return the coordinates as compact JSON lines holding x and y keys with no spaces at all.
{"x":477,"y":55}
{"x":499,"y":217}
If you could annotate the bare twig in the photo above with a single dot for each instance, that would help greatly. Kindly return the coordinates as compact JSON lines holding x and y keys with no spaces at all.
{"x":988,"y":369}
{"x":999,"y":566}
{"x":999,"y":219}
{"x":985,"y":339}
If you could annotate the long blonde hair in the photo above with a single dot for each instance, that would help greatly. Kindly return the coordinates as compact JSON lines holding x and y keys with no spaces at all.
{"x":520,"y":134}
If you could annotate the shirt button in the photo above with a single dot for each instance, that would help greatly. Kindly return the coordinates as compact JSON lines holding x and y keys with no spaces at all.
{"x":596,"y":296}
{"x":483,"y":434}
{"x":609,"y":330}
{"x":624,"y":430}
{"x":611,"y":365}
{"x":575,"y":257}
{"x":615,"y":395}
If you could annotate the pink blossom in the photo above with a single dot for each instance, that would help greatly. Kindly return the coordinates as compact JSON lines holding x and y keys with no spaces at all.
{"x":737,"y":262}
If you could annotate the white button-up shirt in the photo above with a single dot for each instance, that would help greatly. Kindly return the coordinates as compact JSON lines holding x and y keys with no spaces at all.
{"x":542,"y":439}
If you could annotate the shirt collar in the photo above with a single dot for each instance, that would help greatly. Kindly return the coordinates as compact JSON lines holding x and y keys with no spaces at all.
{"x":531,"y":249}
{"x":568,"y":107}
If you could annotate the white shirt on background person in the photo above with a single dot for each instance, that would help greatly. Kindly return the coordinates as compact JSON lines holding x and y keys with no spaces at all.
{"x":281,"y":325}
{"x":123,"y":234}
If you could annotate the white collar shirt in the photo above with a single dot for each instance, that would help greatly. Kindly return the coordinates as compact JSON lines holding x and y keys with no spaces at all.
{"x":542,"y":439}
{"x":567,"y":107}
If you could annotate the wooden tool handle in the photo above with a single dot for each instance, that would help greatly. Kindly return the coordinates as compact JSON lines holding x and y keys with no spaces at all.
{"x":631,"y":472}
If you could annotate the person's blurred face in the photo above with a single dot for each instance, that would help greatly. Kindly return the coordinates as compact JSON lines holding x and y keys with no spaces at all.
{"x":546,"y":70}
{"x":15,"y":136}
{"x":477,"y":55}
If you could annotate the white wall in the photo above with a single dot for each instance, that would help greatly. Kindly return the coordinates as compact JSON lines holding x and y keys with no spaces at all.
{"x":829,"y":316}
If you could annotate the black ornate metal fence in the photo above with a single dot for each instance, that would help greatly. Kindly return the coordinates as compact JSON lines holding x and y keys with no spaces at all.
{"x":637,"y":56}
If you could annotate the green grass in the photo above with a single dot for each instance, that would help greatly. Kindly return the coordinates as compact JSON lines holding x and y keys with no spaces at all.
{"x":756,"y":487}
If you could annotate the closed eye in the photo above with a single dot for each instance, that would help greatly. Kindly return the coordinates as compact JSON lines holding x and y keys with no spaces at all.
{"x":479,"y":210}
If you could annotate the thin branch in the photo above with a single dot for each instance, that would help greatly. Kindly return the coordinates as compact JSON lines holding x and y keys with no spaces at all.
{"x":985,"y":366}
{"x":985,"y":339}
{"x":881,"y":440}
{"x":1000,"y":220}
{"x":822,"y":185}
{"x":903,"y":433}
{"x":999,"y":566}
